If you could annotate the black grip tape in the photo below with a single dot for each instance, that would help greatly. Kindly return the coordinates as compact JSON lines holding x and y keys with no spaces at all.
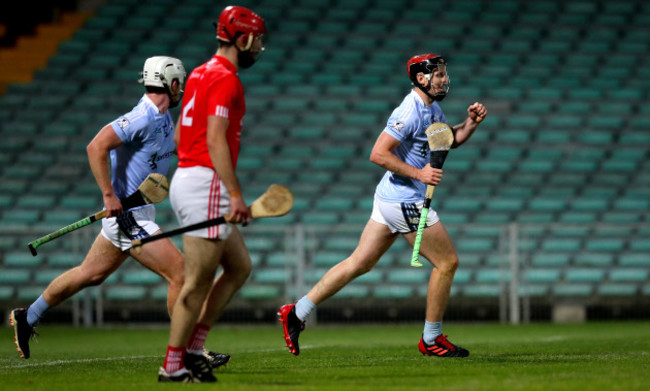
{"x":438,"y":158}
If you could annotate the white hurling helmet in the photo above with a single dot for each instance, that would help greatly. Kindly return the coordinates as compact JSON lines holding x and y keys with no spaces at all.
{"x":160,"y":71}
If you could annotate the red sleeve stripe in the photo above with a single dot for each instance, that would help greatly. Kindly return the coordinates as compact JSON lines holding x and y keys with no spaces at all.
{"x":221,"y":111}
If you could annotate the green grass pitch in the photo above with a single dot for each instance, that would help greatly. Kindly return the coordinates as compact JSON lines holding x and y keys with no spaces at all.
{"x":592,"y":356}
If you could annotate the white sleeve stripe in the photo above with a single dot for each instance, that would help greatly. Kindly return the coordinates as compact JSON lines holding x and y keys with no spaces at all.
{"x":221,"y":111}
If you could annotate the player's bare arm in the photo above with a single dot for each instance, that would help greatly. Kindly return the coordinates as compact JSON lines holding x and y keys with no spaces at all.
{"x":222,"y":162}
{"x":382,"y":155}
{"x":98,"y":151}
{"x":476,"y":113}
{"x":177,"y":134}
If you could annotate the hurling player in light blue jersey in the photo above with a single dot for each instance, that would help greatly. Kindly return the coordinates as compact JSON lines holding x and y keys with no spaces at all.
{"x":403,"y":150}
{"x":138,"y":143}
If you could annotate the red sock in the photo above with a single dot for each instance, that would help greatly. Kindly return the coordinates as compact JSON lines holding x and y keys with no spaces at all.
{"x":197,"y":340}
{"x":174,"y":359}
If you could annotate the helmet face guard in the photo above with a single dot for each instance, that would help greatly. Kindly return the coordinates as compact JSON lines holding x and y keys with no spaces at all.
{"x":428,"y":64}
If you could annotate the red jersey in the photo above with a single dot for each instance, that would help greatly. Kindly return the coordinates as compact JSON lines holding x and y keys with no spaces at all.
{"x":212,"y":89}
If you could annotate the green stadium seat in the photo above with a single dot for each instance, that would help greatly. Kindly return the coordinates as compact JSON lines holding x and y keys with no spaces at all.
{"x":639,"y":245}
{"x":594,"y":259}
{"x":29,"y":293}
{"x":550,"y":259}
{"x":470,"y":245}
{"x":353,"y":291}
{"x":271,"y":276}
{"x":605,"y":245}
{"x":542,"y":275}
{"x":125,"y":293}
{"x":345,"y":244}
{"x":40,"y":202}
{"x":628,"y":275}
{"x":407,"y":276}
{"x":44,"y":277}
{"x":482,"y":290}
{"x":584,"y":275}
{"x":259,"y":244}
{"x":491,"y":276}
{"x":84,"y":203}
{"x":634,"y":259}
{"x":329,"y":258}
{"x":6,"y":293}
{"x":572,"y":290}
{"x":64,"y":259}
{"x":631,"y":204}
{"x":393,"y":292}
{"x":611,"y":289}
{"x":334,"y":204}
{"x":140,"y":277}
{"x":375,"y":276}
{"x":21,"y":216}
{"x":10,"y":276}
{"x":260,"y":292}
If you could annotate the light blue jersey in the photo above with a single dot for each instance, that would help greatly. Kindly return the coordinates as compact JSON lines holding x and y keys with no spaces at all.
{"x":407,"y":124}
{"x":148,"y":138}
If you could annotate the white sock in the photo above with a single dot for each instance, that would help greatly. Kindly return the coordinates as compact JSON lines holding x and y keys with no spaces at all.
{"x":431,"y":331}
{"x":36,"y":311}
{"x":304,"y":307}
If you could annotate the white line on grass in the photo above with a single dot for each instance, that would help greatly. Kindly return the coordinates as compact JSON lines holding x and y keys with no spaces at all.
{"x":7,"y":365}
{"x":78,"y":361}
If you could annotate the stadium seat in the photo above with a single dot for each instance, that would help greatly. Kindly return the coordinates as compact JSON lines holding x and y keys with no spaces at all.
{"x":572,"y":290}
{"x":584,"y":275}
{"x":393,"y":291}
{"x":407,"y":276}
{"x":482,"y":290}
{"x":353,"y":291}
{"x":11,"y":276}
{"x":619,"y":289}
{"x":140,"y":277}
{"x":271,"y":276}
{"x":628,"y":275}
{"x":125,"y":293}
{"x":259,"y":292}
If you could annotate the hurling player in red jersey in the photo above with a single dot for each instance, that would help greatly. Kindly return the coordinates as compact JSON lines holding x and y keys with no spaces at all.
{"x":205,"y":186}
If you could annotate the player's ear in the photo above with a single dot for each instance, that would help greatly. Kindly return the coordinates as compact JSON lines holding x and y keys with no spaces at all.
{"x":244,"y":42}
{"x":175,"y":87}
{"x":422,"y":80}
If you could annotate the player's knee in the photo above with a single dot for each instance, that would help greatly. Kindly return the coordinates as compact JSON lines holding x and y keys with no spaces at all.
{"x":96,"y":279}
{"x":449,"y":266}
{"x":360,"y":267}
{"x":239,"y":273}
{"x":177,"y":278}
{"x":193,"y":297}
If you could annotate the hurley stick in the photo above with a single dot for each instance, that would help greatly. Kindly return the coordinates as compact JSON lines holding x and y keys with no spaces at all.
{"x":152,"y":190}
{"x":440,"y":139}
{"x":276,"y":201}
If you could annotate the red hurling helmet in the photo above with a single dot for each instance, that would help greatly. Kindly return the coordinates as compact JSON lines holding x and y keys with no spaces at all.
{"x":235,"y":20}
{"x":427,"y":64}
{"x":423,"y":63}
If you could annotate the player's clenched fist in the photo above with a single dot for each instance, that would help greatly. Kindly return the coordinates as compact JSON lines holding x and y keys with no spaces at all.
{"x":477,"y":112}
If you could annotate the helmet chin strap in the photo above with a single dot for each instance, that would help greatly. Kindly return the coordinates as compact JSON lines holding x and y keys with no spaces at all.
{"x":437,"y":97}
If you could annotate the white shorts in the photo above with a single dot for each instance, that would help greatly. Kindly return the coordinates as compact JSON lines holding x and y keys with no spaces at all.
{"x":131,"y":225}
{"x":402,"y":217}
{"x":197,"y":194}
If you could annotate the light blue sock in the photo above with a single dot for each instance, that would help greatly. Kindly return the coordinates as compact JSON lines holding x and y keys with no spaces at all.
{"x":36,"y":311}
{"x":431,"y":331}
{"x":304,"y":307}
